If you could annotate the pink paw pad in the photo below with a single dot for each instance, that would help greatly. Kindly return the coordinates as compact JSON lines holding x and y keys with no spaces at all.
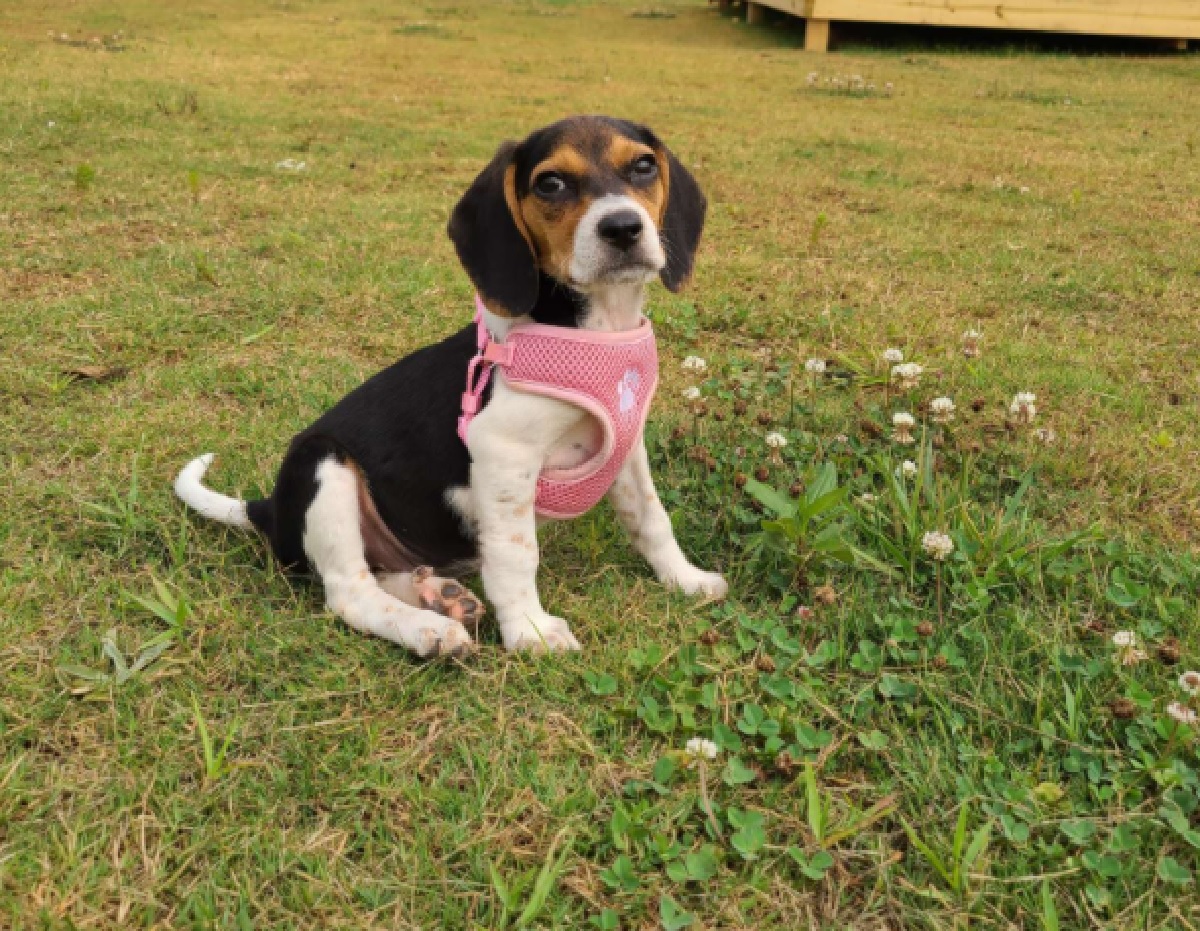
{"x":448,"y":598}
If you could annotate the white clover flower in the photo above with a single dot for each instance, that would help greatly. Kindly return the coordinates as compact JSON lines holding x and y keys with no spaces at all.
{"x":1181,"y":713}
{"x":941,"y":410}
{"x":866,"y":498}
{"x":903,"y":425}
{"x":1128,"y":651}
{"x":815,"y":366}
{"x":889,"y":87}
{"x":907,"y":375}
{"x":841,"y":438}
{"x":1190,"y":682}
{"x":893,"y":356}
{"x":776,"y":440}
{"x":694,"y":364}
{"x":812,"y":78}
{"x":908,"y":469}
{"x":1045,"y":435}
{"x":1023,"y":407}
{"x":937,"y":544}
{"x":691,"y":393}
{"x":51,"y":124}
{"x":971,"y":340}
{"x":701,"y":748}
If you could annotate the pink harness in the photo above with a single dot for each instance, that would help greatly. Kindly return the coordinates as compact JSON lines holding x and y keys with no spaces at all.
{"x":610,"y":375}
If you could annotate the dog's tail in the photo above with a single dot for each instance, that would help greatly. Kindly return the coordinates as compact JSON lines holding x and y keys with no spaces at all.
{"x":211,"y":504}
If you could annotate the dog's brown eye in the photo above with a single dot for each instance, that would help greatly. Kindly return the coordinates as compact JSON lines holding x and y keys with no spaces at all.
{"x":644,"y":169}
{"x":549,"y":184}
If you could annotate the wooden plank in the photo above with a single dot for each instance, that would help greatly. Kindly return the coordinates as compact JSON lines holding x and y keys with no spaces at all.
{"x":795,"y":7}
{"x":1162,"y":19}
{"x":816,"y":35}
{"x":756,"y":14}
{"x":1166,"y":19}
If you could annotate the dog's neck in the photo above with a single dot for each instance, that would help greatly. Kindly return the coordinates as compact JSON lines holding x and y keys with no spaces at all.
{"x":615,"y":307}
{"x":607,"y":309}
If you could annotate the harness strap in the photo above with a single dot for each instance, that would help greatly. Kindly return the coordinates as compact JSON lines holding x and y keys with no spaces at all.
{"x":479,"y":371}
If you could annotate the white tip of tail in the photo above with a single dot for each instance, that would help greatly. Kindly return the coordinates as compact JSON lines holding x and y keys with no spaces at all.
{"x":213,"y":505}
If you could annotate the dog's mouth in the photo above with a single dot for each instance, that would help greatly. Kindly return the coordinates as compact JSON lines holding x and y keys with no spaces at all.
{"x":630,"y":271}
{"x":626,"y":269}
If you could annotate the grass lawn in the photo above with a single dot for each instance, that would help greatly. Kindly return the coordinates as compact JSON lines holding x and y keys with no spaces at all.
{"x":188,"y":740}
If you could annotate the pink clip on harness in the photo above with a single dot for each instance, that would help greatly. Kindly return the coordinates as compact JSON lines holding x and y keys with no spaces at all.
{"x":610,"y":375}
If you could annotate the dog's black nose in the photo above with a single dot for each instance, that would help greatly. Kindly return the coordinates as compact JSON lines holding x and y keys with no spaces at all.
{"x":622,"y":228}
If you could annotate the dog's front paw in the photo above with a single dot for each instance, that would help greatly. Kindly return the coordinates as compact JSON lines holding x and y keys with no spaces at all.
{"x":693,"y":581}
{"x":546,"y":634}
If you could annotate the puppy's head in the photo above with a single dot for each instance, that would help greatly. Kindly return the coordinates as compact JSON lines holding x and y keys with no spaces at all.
{"x":590,"y":201}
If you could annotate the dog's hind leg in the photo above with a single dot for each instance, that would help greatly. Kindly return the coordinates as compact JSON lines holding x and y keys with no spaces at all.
{"x":333,"y":543}
{"x":422,"y":589}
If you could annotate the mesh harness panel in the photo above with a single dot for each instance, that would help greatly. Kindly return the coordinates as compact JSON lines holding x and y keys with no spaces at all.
{"x":610,"y":375}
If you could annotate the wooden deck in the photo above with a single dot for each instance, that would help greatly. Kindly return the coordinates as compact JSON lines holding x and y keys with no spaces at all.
{"x":1173,"y":20}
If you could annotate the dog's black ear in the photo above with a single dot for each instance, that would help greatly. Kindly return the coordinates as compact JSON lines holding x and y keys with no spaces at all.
{"x":485,"y":230}
{"x":682,"y":222}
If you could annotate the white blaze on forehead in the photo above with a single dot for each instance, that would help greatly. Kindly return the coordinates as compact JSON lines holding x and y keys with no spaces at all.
{"x":593,"y":257}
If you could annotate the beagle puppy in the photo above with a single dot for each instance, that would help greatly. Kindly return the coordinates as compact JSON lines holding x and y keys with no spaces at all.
{"x":383,"y":501}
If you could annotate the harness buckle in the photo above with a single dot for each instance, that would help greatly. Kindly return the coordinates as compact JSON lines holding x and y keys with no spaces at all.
{"x":500,"y":354}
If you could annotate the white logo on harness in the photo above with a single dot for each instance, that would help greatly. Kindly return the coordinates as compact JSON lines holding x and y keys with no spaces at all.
{"x":626,"y":391}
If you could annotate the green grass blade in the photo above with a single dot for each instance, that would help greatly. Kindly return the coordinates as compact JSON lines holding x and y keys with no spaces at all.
{"x":546,"y":879}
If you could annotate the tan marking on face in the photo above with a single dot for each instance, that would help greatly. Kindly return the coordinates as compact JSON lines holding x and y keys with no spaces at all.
{"x":664,"y":180}
{"x":552,"y":226}
{"x":622,"y":151}
{"x":510,"y":198}
{"x":566,"y":159}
